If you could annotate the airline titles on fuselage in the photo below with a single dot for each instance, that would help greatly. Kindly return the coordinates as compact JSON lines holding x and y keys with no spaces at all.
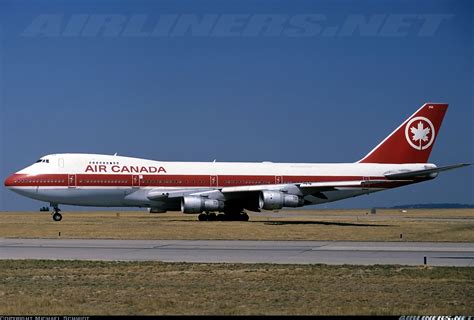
{"x":128,"y":169}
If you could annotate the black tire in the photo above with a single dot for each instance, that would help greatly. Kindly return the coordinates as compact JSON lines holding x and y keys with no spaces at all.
{"x":211,"y":216}
{"x":57,"y":217}
{"x":202,"y":217}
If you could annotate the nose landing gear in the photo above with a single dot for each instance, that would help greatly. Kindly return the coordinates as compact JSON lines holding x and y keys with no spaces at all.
{"x":56,"y":215}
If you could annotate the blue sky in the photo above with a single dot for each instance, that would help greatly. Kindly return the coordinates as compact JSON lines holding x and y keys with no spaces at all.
{"x":319,"y":87}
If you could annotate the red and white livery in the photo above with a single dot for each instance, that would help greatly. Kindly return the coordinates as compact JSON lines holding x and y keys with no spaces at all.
{"x":205,"y":188}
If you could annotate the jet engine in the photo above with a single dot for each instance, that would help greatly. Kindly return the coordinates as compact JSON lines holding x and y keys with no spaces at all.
{"x":271,"y":200}
{"x":193,"y":204}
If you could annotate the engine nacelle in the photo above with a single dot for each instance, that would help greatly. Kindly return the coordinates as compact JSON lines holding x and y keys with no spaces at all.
{"x":272,"y":200}
{"x":193,"y":204}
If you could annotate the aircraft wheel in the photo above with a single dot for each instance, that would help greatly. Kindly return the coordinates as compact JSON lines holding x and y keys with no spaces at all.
{"x":57,"y":217}
{"x":202,"y":217}
{"x":211,"y":216}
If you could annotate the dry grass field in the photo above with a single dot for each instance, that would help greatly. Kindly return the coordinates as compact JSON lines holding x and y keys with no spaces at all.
{"x":361,"y":225}
{"x":145,"y":288}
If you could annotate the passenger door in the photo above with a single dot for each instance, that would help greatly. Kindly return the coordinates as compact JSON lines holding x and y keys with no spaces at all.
{"x":71,"y":181}
{"x":136,"y":181}
{"x":214,"y":181}
{"x":278,"y":180}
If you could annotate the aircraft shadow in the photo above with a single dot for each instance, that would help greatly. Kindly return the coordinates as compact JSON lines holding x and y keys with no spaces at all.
{"x":326,"y":223}
{"x":280,"y":223}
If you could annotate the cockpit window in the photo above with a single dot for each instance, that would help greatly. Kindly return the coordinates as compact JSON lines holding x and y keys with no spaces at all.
{"x":43,"y":160}
{"x":40,"y":160}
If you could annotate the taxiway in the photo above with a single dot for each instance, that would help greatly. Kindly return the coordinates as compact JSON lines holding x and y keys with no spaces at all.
{"x":236,"y":251}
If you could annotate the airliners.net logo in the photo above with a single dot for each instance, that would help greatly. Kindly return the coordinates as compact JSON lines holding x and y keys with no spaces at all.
{"x":235,"y":25}
{"x":436,"y":318}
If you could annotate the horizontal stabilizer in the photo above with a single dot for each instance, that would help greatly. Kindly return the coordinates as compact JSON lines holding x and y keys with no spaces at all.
{"x":423,"y":174}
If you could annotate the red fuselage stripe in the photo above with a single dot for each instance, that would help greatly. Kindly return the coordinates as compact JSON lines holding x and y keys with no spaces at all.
{"x":162,"y":180}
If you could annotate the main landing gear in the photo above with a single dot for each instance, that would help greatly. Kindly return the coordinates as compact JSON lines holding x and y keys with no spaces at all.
{"x":56,"y":215}
{"x":226,"y":216}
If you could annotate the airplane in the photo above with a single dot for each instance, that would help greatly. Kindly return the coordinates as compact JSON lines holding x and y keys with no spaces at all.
{"x":224,"y":190}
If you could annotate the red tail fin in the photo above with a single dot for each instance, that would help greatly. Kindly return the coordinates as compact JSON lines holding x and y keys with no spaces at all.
{"x":413,"y":141}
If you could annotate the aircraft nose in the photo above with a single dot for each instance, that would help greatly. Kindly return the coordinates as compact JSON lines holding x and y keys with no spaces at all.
{"x":10,"y":181}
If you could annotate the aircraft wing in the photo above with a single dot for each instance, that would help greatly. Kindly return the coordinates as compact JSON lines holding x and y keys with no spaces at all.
{"x":311,"y":187}
{"x":161,"y":194}
{"x":423,"y":174}
{"x":320,"y":186}
{"x":294,"y":188}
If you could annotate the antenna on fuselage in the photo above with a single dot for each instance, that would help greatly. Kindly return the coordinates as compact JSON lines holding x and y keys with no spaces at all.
{"x":115,"y":153}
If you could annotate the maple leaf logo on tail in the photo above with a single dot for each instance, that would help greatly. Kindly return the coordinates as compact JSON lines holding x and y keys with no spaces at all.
{"x":422,"y":133}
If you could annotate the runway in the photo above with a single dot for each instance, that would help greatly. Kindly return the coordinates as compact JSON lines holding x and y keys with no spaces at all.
{"x":225,"y":251}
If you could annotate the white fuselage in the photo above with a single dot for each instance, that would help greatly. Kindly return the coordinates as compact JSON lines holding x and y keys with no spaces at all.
{"x":110,"y":181}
